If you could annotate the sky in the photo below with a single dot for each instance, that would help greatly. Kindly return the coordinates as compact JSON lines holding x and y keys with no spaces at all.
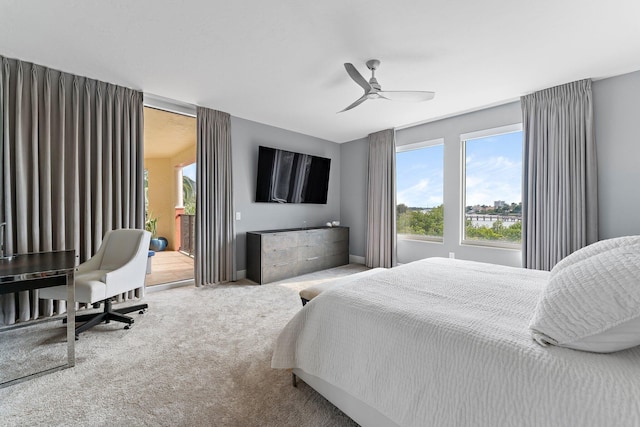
{"x":493,"y":172}
{"x":494,"y":169}
{"x":190,"y":171}
{"x":420,"y":177}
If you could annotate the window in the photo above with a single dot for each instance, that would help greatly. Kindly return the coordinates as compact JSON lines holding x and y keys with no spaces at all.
{"x":189,"y":189}
{"x":419,"y":189}
{"x":492,"y":187}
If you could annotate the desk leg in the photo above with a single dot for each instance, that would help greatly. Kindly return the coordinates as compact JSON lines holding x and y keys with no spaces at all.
{"x":71,"y":321}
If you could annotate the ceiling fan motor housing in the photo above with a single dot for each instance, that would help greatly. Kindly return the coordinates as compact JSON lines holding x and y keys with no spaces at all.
{"x":373,"y":64}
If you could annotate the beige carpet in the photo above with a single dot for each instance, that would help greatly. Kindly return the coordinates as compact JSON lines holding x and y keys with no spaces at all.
{"x":198,"y":357}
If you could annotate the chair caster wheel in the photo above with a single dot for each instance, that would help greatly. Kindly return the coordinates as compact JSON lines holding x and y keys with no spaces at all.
{"x":77,"y":338}
{"x":127,"y":327}
{"x":141,"y":312}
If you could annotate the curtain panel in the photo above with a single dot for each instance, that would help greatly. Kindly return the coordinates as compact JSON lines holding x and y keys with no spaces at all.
{"x":381,"y":200}
{"x":215,"y":257}
{"x":72,"y":168}
{"x":560,"y":194}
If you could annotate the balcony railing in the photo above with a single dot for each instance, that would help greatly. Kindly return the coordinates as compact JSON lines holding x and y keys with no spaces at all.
{"x":187,"y":234}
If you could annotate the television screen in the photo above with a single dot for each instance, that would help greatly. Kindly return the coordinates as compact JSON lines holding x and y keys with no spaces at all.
{"x":288,"y":177}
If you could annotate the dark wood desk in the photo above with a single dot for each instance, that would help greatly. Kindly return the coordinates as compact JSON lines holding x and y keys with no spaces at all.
{"x":24,"y":272}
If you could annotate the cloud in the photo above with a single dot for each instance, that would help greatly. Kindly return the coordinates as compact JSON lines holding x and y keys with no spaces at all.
{"x":493,"y":178}
{"x":425,"y":193}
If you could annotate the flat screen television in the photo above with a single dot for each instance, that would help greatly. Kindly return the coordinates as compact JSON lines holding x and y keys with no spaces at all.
{"x":288,"y":177}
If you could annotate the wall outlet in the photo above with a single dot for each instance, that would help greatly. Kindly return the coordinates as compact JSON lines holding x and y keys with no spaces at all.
{"x":238,"y":216}
{"x":452,"y":254}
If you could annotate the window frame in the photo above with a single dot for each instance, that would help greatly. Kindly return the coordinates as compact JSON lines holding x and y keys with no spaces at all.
{"x":484,"y":133}
{"x":417,"y":146}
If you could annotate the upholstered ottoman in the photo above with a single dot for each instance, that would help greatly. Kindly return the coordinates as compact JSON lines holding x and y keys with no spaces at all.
{"x":307,"y":294}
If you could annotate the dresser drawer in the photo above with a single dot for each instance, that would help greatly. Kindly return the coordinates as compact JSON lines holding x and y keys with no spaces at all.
{"x":311,"y":238}
{"x":278,"y":271}
{"x":278,"y":256}
{"x":310,"y":264}
{"x":305,"y":252}
{"x":336,"y":260}
{"x":279,"y":241}
{"x":335,"y":248}
{"x":340,"y":234}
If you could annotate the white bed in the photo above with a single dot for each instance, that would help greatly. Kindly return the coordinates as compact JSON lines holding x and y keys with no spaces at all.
{"x":446,"y":342}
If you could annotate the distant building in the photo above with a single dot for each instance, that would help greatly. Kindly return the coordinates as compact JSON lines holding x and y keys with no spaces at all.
{"x":499,"y":204}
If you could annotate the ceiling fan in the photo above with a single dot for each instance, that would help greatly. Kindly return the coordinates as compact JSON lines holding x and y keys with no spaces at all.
{"x":373,"y":90}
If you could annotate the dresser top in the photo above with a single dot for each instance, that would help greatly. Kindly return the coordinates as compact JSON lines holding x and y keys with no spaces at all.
{"x":285,"y":230}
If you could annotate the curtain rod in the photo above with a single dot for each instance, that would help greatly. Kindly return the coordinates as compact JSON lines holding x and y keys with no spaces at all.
{"x":168,"y":104}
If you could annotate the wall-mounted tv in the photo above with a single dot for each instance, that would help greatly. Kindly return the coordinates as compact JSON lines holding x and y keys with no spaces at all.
{"x":288,"y":177}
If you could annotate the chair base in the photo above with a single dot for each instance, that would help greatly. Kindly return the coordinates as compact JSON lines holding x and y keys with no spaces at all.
{"x":107,"y":316}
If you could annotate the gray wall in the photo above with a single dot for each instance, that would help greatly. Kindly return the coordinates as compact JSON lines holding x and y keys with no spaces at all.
{"x":354,"y":157}
{"x":246,"y":136}
{"x":617,"y":124}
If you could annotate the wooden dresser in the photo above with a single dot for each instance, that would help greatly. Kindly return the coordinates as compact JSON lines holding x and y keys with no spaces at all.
{"x":274,"y":255}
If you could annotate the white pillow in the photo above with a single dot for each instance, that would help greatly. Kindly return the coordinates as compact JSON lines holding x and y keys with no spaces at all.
{"x":592,"y":303}
{"x":595,"y":249}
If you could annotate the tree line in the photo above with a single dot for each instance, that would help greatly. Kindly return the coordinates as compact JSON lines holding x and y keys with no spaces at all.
{"x":430,"y":222}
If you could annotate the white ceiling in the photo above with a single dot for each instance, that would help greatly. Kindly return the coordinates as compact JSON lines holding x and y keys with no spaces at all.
{"x":280,"y":62}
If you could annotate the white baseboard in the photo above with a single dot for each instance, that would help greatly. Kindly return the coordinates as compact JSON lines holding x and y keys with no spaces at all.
{"x":241,"y":274}
{"x":355,"y":259}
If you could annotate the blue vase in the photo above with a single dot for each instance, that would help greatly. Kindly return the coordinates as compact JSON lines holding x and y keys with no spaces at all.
{"x":163,"y":243}
{"x":155,"y":244}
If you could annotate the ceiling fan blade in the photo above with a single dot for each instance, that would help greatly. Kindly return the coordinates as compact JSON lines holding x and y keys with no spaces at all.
{"x":406,"y":95}
{"x":357,"y":77}
{"x":355,"y":104}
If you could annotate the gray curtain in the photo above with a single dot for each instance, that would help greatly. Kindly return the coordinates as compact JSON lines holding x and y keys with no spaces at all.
{"x":215,"y":258}
{"x":560,"y":192}
{"x":381,"y":200}
{"x":72,"y":167}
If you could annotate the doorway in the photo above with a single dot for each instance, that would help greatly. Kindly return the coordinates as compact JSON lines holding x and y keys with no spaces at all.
{"x":170,"y":184}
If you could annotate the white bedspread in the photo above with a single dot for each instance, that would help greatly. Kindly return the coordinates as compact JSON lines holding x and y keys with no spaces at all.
{"x":443,"y":342}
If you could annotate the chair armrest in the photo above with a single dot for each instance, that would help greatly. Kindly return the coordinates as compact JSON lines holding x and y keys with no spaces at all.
{"x":90,"y":265}
{"x":128,"y":277}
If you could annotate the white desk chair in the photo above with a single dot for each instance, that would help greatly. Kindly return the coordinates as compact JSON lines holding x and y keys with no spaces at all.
{"x":119,"y":266}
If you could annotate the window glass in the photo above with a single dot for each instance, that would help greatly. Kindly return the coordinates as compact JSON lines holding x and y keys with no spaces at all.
{"x":419,"y":189}
{"x":189,"y":189}
{"x":493,"y":189}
